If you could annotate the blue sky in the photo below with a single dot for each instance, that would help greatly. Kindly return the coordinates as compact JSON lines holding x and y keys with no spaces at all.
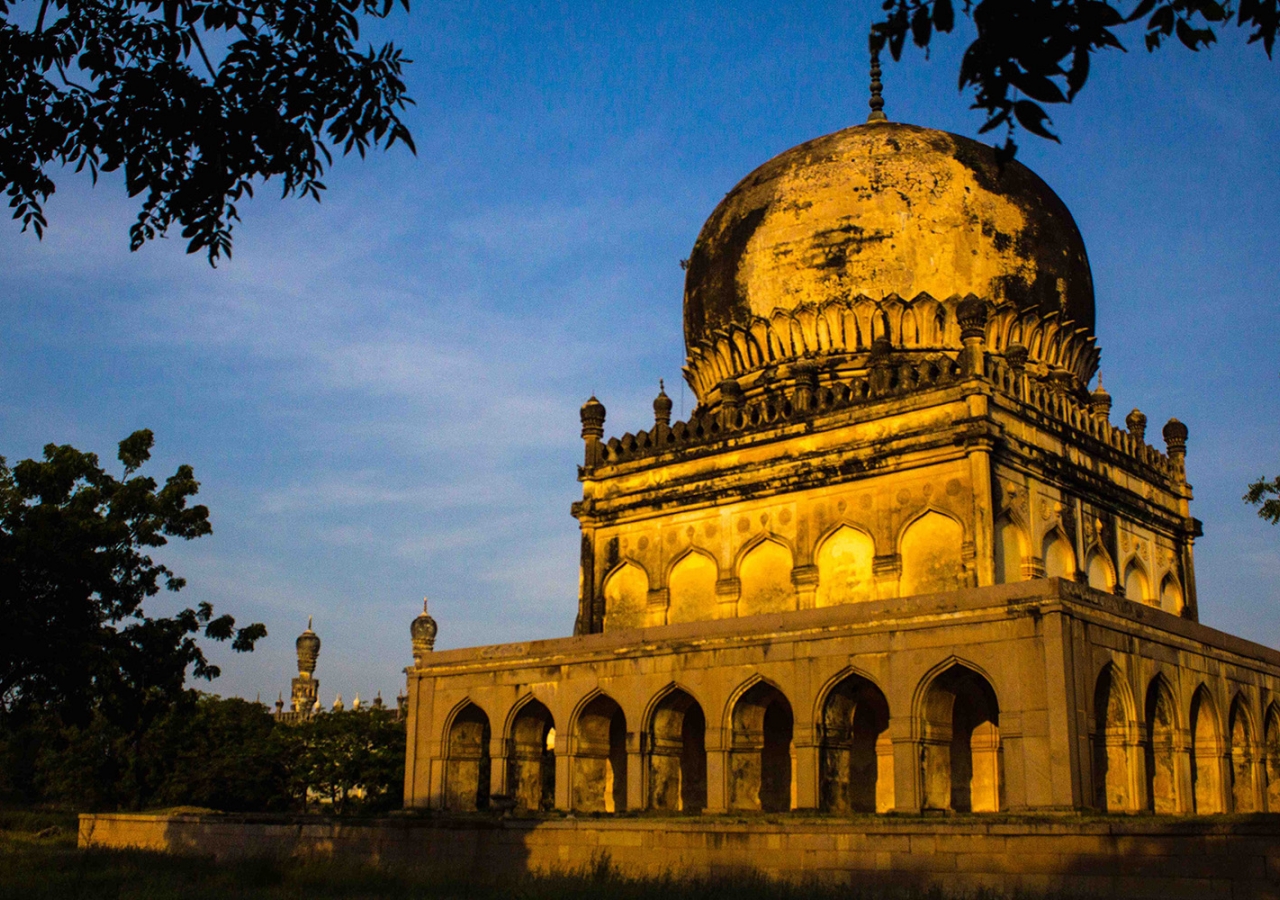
{"x":380,"y":393}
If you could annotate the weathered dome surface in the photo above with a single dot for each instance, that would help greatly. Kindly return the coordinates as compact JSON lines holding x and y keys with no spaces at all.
{"x":882,"y":209}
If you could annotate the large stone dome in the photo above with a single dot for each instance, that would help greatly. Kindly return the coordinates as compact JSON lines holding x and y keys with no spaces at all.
{"x":879,"y":210}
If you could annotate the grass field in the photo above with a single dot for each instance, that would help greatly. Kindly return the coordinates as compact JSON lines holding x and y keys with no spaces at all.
{"x":39,"y":861}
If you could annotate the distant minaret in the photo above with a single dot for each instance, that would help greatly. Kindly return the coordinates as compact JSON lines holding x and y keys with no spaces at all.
{"x":877,"y":100}
{"x":305,"y":687}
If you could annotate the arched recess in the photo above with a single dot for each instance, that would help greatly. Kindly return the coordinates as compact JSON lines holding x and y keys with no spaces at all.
{"x":1171,"y":598}
{"x":677,"y":752}
{"x":467,"y":767}
{"x":1271,"y":739}
{"x":764,"y":573}
{"x":600,"y":757}
{"x":931,"y":550}
{"x":1101,"y":573}
{"x":1240,"y":728}
{"x":844,"y":561}
{"x":960,"y":730}
{"x":855,"y":753}
{"x":626,"y":597}
{"x":1162,"y":723}
{"x":1113,"y":742}
{"x":691,"y":588}
{"x":1206,"y":754}
{"x":1136,"y":585}
{"x":760,"y":752}
{"x":1010,"y":550}
{"x":531,"y":765}
{"x":1058,"y":555}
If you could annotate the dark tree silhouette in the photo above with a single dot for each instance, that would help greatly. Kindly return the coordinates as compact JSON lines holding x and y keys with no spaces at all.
{"x":1033,"y":52}
{"x":195,"y":101}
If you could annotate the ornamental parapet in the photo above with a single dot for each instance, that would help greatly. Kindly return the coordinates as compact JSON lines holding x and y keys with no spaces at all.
{"x":819,"y":386}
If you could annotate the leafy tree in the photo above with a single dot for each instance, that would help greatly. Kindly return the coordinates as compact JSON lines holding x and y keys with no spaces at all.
{"x":348,"y":761}
{"x":1033,"y":52}
{"x":224,"y":753}
{"x":1266,"y":496}
{"x":79,"y":656}
{"x":195,"y":101}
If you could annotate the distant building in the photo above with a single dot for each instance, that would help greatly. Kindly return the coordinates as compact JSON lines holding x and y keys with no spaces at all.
{"x":304,"y":690}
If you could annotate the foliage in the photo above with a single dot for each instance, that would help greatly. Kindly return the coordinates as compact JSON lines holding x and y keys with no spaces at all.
{"x":74,"y":573}
{"x":194,"y":101}
{"x":348,"y":761}
{"x":216,"y":753}
{"x":1269,"y":508}
{"x":1033,"y":52}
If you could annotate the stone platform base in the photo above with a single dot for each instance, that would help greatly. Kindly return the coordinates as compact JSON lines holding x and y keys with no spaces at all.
{"x":1163,"y":859}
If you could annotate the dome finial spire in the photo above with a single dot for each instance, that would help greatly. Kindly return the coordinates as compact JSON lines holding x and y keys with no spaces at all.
{"x":877,"y":100}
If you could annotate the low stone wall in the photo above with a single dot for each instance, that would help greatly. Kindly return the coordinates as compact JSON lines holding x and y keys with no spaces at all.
{"x":1162,"y":859}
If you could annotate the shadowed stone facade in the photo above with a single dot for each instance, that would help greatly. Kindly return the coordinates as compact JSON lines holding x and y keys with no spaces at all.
{"x":897,"y":559}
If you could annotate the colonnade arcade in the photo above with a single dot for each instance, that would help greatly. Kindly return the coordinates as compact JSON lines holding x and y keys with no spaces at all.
{"x":959,"y":737}
{"x":1195,"y":757}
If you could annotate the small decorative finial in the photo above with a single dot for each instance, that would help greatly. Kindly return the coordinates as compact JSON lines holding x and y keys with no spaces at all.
{"x":877,"y":99}
{"x":423,"y":631}
{"x":308,"y":623}
{"x":661,"y":408}
{"x":1100,"y":400}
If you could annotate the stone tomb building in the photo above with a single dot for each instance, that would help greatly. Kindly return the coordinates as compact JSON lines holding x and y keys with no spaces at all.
{"x":898,"y":558}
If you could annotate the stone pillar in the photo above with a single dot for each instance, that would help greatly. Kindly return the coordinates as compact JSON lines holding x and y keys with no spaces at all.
{"x":564,"y":766}
{"x":727,"y":591}
{"x":717,"y":770}
{"x":971,"y":313}
{"x":886,"y":570}
{"x":978,"y":449}
{"x":498,"y":765}
{"x":804,"y":766}
{"x":636,"y":772}
{"x":906,"y":766}
{"x":1182,"y":760}
{"x":805,"y":579}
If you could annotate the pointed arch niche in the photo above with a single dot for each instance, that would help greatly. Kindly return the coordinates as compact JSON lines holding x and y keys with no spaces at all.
{"x":1113,"y":742}
{"x":626,"y":597}
{"x":1171,"y":598}
{"x":691,"y":588}
{"x":1059,"y":558}
{"x":531,"y":767}
{"x":600,"y":757}
{"x":1010,"y":551}
{"x":1271,"y":768}
{"x":1101,"y":574}
{"x":1206,"y":754}
{"x":961,"y":733}
{"x":765,"y":576}
{"x":760,"y":755}
{"x":1241,"y":731}
{"x":1137,"y":587}
{"x":677,"y":754}
{"x":856,"y":755}
{"x":466,"y":770}
{"x":844,"y":562}
{"x":1159,"y":746}
{"x":932,"y":555}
